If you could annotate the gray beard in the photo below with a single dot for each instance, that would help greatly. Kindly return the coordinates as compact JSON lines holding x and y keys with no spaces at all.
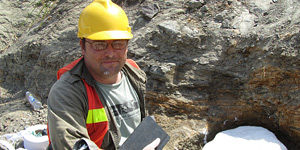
{"x":106,"y":73}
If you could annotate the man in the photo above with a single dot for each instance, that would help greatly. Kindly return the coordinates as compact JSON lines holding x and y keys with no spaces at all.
{"x":99,"y":99}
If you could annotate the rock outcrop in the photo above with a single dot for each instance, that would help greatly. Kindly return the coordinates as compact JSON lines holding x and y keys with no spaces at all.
{"x":211,"y":65}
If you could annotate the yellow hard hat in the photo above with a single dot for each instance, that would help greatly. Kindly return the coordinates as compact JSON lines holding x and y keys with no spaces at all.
{"x":103,"y":20}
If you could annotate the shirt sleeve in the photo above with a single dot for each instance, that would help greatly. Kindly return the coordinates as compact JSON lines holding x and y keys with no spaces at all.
{"x":67,"y":111}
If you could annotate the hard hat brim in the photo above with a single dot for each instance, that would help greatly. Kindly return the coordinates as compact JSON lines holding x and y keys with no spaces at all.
{"x":109,"y":35}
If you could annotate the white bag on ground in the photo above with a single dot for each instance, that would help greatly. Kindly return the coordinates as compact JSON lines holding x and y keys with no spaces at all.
{"x":245,"y":138}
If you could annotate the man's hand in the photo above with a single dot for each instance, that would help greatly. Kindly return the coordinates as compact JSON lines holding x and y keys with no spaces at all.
{"x":152,"y":145}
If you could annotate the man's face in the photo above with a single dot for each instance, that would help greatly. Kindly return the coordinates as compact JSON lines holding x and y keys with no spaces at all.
{"x":104,"y":62}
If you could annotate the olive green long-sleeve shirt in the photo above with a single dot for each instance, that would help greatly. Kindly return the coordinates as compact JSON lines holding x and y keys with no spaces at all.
{"x":68,"y":107}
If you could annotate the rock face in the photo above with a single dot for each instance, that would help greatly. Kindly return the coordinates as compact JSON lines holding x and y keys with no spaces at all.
{"x":211,"y":65}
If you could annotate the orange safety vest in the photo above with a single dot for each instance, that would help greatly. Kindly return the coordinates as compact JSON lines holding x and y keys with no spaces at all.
{"x":96,"y":122}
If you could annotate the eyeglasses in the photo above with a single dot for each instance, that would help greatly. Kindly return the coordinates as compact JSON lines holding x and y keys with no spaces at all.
{"x":102,"y":45}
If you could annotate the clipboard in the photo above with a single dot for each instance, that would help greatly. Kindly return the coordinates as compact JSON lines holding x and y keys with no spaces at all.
{"x":146,"y":132}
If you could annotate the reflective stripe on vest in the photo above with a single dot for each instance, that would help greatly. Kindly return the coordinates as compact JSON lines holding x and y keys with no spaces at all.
{"x":96,"y":115}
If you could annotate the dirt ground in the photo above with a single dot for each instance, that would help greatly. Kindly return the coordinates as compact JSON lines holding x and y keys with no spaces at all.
{"x":16,"y":114}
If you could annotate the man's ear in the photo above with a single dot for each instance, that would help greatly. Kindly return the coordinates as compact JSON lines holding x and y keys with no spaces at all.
{"x":82,"y":45}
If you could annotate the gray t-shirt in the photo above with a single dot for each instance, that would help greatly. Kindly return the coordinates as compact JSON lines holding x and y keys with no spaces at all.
{"x":123,"y":101}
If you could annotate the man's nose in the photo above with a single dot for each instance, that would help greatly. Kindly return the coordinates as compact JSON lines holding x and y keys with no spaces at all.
{"x":110,"y":51}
